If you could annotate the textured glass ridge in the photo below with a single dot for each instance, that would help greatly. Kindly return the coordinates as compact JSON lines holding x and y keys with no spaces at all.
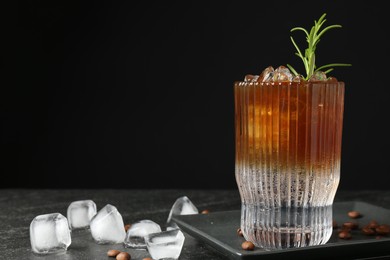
{"x":288,"y":149}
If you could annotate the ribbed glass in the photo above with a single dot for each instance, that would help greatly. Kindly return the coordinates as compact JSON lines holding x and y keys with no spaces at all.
{"x":288,"y":148}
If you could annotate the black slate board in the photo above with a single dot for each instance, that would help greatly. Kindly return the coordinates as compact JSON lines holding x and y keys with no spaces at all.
{"x":219,"y":229}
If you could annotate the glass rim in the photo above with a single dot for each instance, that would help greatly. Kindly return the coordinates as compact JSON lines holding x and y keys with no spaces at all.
{"x":287,"y":83}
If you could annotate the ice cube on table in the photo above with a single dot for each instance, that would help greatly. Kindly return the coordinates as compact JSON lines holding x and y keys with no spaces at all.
{"x":107,"y":226}
{"x":50,"y":233}
{"x":135,"y":236}
{"x":165,"y":245}
{"x":182,"y":206}
{"x":80,"y":213}
{"x":172,"y":225}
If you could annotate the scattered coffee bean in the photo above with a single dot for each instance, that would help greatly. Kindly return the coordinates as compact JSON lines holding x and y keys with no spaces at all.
{"x":368,"y":231}
{"x":383,"y":230}
{"x":239,"y":232}
{"x":127,"y":227}
{"x":206,"y":211}
{"x":247,"y":245}
{"x":350,"y":225}
{"x":373,"y":228}
{"x":123,"y":256}
{"x":113,"y":252}
{"x":373,"y":224}
{"x":345,"y":235}
{"x":354,"y":214}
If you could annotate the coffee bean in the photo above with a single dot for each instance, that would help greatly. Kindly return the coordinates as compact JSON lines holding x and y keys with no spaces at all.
{"x":239,"y":232}
{"x":345,"y":235}
{"x":368,"y":231}
{"x":113,"y":252}
{"x":247,"y":245}
{"x":383,"y":230}
{"x":127,"y":227}
{"x":123,"y":256}
{"x":373,"y":224}
{"x":354,"y":214}
{"x":350,"y":225}
{"x":206,"y":211}
{"x":371,"y":229}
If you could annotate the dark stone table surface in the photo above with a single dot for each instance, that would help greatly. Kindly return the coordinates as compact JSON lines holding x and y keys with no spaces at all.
{"x":18,"y":207}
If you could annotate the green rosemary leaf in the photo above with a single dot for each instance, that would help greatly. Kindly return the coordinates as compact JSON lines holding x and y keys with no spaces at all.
{"x":326,"y":29}
{"x":296,"y":47}
{"x":313,"y":38}
{"x":312,"y":63}
{"x":301,"y":29}
{"x":292,"y":69}
{"x":327,"y":71}
{"x":333,"y":65}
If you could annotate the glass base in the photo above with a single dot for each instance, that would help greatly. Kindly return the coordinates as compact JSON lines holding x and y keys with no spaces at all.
{"x":286,"y":227}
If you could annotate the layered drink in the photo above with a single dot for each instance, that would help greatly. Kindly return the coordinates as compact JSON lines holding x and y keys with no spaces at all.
{"x":288,"y":149}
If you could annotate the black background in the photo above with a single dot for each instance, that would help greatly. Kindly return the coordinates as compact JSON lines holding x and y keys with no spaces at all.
{"x":140,"y":95}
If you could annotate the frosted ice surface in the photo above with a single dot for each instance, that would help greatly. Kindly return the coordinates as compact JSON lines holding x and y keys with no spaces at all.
{"x":266,"y":75}
{"x":318,"y":76}
{"x":182,"y":206}
{"x":50,"y":233}
{"x":80,"y":213}
{"x":107,"y":226}
{"x":282,"y":74}
{"x":251,"y":78}
{"x":166,"y":244}
{"x":171,"y":226}
{"x":298,"y":78}
{"x":135,"y":236}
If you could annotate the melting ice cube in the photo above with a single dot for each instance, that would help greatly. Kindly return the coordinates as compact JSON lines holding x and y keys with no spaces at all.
{"x":251,"y":78}
{"x":282,"y":74}
{"x":165,"y":245}
{"x":318,"y":76}
{"x":136,"y":233}
{"x":182,"y":206}
{"x":266,"y":75}
{"x":80,"y":213}
{"x":50,"y":233}
{"x":172,"y":225}
{"x":298,"y":78}
{"x":107,"y":226}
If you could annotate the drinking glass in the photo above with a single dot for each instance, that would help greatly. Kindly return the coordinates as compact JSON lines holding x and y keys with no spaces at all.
{"x":287,"y":166}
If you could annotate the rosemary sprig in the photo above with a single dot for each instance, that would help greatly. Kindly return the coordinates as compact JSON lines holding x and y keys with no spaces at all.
{"x":309,"y":57}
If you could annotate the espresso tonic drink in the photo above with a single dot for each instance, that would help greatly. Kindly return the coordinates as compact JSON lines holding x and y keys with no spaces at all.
{"x":288,"y":147}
